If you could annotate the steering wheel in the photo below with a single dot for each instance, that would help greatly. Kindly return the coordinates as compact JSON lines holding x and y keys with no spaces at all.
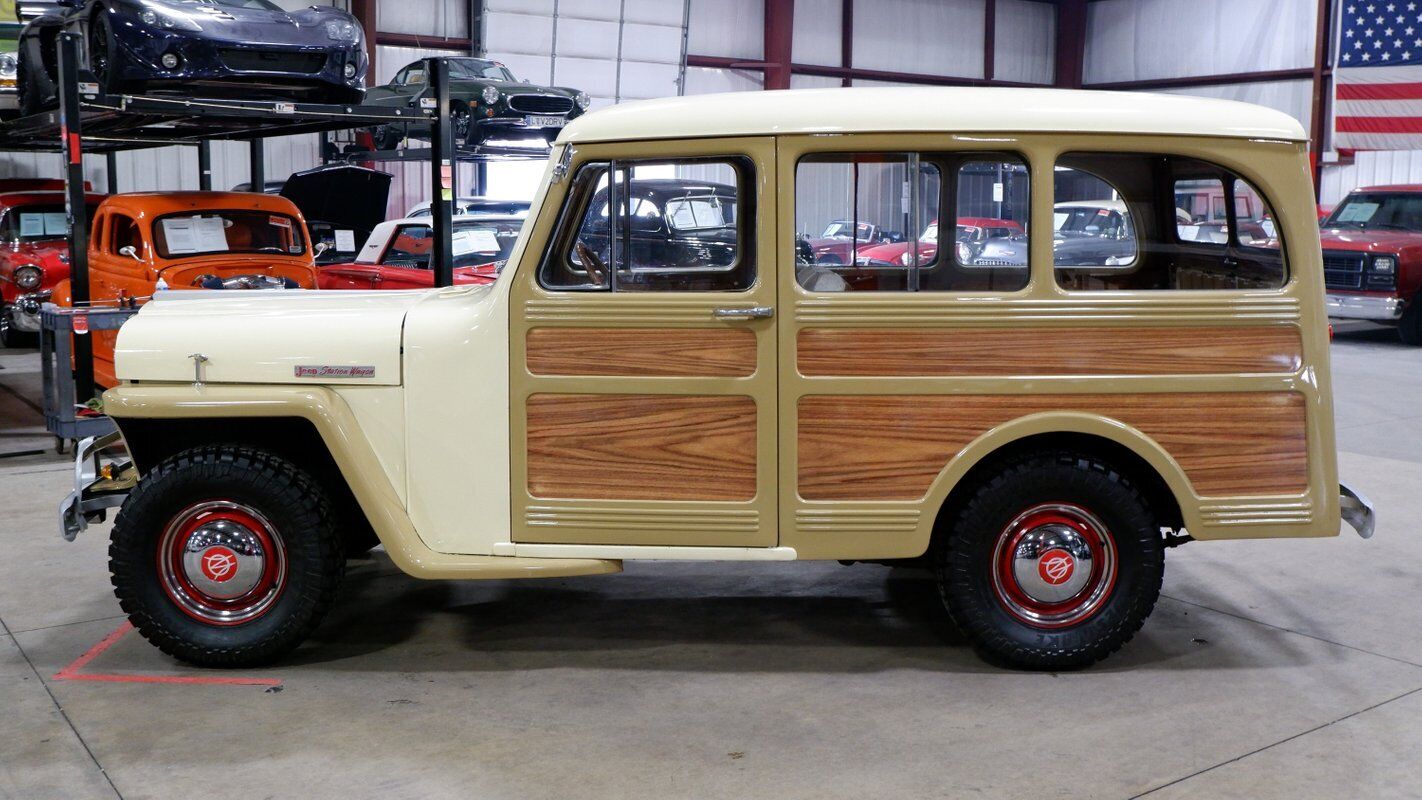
{"x":592,"y":265}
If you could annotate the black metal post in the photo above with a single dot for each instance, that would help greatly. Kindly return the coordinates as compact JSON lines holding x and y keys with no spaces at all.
{"x":258,"y":156}
{"x":71,"y":131}
{"x":205,"y":166}
{"x":111,"y":168}
{"x":441,"y":175}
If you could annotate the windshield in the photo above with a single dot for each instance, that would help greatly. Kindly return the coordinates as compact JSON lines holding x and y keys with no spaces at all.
{"x":1397,"y":211}
{"x":701,"y":213}
{"x":473,"y":244}
{"x":262,"y":4}
{"x":967,"y":233}
{"x":1091,"y":221}
{"x":183,"y":235}
{"x":475,"y":69}
{"x":37,"y":222}
{"x":930,"y":234}
{"x":843,"y":229}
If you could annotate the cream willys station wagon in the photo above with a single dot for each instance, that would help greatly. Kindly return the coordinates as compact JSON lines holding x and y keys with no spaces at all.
{"x":664,"y":370}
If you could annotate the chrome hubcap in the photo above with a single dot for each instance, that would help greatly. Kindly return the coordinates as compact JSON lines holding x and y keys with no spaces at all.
{"x":1054,"y":565}
{"x":222,"y":562}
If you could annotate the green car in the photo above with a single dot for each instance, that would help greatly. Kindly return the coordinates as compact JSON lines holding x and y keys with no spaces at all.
{"x":486,"y":102}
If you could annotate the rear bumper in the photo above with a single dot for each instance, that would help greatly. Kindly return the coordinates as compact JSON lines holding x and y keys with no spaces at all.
{"x":1356,"y":510}
{"x":1377,"y":307}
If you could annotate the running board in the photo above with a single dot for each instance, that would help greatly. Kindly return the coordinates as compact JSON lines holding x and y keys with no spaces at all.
{"x":632,"y":552}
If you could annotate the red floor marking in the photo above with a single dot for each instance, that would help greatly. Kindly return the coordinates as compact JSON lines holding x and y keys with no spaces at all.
{"x":71,"y":672}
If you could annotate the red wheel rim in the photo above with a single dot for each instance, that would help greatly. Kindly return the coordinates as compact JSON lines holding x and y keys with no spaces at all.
{"x":1054,"y":566}
{"x":222,"y":562}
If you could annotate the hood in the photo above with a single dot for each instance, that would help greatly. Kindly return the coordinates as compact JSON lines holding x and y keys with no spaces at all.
{"x":48,"y":253}
{"x":345,"y":196}
{"x":286,"y":337}
{"x":306,"y":27}
{"x":1371,"y":240}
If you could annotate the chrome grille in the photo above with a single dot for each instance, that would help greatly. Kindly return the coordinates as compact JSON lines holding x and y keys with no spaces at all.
{"x":1343,"y":269}
{"x":540,"y":104}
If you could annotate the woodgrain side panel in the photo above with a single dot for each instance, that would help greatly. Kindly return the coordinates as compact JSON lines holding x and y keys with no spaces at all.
{"x":641,"y":447}
{"x":879,"y":447}
{"x":969,"y":352}
{"x":643,"y":352}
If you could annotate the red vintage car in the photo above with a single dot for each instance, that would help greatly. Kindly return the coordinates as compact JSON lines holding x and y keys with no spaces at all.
{"x":836,"y":244}
{"x":970,"y":229}
{"x":34,"y":252}
{"x":1372,"y":258}
{"x":397,"y":254}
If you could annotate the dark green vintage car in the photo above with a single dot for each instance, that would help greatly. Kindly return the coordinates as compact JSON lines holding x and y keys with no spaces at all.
{"x":486,"y":102}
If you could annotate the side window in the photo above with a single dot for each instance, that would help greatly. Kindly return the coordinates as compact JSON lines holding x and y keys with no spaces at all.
{"x":1148,"y":222}
{"x":881,"y":222}
{"x":123,"y":232}
{"x":656,"y":226}
{"x":415,"y":75}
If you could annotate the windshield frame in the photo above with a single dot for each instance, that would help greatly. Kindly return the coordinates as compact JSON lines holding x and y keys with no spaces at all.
{"x":456,"y":228}
{"x":90,"y":210}
{"x":298,"y":230}
{"x":1332,"y":220}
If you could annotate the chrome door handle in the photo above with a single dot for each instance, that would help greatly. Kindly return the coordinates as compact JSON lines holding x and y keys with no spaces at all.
{"x":754,"y":312}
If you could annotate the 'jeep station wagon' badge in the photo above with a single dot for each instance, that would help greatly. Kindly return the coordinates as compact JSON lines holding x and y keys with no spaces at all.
{"x":333,"y":371}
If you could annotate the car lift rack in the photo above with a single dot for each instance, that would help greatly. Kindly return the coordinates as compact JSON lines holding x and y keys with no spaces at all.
{"x":88,"y":120}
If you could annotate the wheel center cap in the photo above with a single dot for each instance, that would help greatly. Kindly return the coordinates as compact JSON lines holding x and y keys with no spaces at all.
{"x":219,"y":564}
{"x":223,"y":559}
{"x":1056,"y":567}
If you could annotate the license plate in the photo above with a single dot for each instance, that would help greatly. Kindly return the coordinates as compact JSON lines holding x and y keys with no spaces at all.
{"x":543,"y":122}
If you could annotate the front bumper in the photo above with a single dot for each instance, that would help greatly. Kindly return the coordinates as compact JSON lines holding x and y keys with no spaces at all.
{"x":25,"y":311}
{"x":242,"y":63}
{"x":1377,"y":307}
{"x":103,"y":477}
{"x":1356,"y":510}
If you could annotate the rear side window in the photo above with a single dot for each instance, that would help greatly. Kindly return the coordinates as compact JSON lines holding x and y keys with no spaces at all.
{"x":656,"y":226}
{"x":1145,"y":222}
{"x":908,"y":222}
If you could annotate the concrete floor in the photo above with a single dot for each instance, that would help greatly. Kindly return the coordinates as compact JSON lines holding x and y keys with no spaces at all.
{"x":1269,"y":669}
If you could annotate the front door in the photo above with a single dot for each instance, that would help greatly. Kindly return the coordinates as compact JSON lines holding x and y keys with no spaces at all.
{"x":643,"y":366}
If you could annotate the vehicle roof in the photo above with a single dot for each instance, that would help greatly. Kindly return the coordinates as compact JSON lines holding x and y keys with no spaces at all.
{"x":929,"y":109}
{"x":1397,"y":187}
{"x":986,"y":222}
{"x":172,"y":202}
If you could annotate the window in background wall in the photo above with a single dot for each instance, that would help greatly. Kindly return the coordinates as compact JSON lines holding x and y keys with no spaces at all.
{"x":1145,"y":221}
{"x":658,"y":226}
{"x":874,"y":222}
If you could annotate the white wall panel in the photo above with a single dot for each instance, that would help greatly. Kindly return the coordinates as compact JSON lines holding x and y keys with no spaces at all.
{"x":1145,"y":39}
{"x":708,"y":80}
{"x":596,"y":76}
{"x":817,"y":34}
{"x":1294,"y":98}
{"x":586,"y":38}
{"x":1370,"y":168}
{"x":813,"y":82}
{"x":654,"y":12}
{"x":933,"y":37}
{"x":1025,"y":41}
{"x":734,"y":28}
{"x":446,"y":18}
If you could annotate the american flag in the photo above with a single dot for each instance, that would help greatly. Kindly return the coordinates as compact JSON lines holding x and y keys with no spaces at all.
{"x":1377,"y":80}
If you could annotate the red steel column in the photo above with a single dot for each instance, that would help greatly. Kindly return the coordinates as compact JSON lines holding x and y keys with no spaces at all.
{"x":779,"y":35}
{"x":1071,"y":43}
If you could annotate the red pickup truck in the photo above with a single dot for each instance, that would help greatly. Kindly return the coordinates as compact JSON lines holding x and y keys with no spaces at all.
{"x":1372,"y":258}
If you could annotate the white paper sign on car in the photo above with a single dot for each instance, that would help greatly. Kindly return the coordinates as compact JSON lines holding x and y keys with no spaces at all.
{"x":345,"y":241}
{"x":211,"y":234}
{"x":178,"y":234}
{"x":31,"y":225}
{"x":56,"y":223}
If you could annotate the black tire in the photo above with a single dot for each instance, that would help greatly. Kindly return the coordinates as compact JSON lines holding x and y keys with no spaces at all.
{"x":103,"y":55}
{"x":991,"y":537}
{"x":11,"y":338}
{"x":266,"y":489}
{"x":1409,"y":328}
{"x":387,"y":137}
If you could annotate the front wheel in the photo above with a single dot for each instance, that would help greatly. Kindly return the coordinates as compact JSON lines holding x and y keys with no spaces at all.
{"x":1053,"y":563}
{"x":103,"y":55}
{"x":226,"y":556}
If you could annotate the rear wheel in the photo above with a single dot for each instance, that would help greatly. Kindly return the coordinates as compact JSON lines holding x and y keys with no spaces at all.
{"x":226,"y":556}
{"x":1053,"y":563}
